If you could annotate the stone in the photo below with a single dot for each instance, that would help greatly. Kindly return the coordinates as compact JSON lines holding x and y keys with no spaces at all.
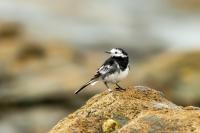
{"x":138,"y":109}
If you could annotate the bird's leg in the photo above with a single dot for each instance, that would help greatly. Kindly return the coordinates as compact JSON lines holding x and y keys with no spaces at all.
{"x":110,"y":90}
{"x":119,"y":87}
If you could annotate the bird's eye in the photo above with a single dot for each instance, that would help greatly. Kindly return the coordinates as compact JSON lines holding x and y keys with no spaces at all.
{"x":115,"y":52}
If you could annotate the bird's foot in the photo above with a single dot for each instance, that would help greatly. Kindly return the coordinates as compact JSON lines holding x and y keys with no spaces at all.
{"x":120,"y":89}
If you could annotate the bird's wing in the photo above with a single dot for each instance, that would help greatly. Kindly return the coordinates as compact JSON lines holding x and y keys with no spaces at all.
{"x":110,"y":66}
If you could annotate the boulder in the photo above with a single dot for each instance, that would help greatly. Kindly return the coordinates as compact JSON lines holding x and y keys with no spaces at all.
{"x":138,"y":109}
{"x":173,"y":73}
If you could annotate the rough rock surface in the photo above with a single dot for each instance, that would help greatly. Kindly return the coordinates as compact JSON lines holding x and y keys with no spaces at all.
{"x":138,"y":109}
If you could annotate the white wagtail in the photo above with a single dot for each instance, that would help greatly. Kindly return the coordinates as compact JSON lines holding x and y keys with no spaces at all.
{"x":112,"y":71}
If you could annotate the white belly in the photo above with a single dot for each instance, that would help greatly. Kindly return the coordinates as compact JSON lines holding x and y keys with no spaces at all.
{"x":116,"y":77}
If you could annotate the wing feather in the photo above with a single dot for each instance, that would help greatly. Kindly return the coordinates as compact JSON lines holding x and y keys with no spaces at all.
{"x":109,"y":67}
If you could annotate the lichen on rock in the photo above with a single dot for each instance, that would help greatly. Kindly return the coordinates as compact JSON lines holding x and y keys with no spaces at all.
{"x":138,"y":109}
{"x":110,"y":125}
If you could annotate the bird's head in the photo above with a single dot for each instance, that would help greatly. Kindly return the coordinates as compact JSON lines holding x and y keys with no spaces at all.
{"x":117,"y":52}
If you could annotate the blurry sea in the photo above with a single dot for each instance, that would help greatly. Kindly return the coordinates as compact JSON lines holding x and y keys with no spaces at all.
{"x":129,"y":22}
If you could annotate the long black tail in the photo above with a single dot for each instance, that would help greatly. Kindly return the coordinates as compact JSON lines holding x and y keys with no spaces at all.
{"x":85,"y":85}
{"x":92,"y":80}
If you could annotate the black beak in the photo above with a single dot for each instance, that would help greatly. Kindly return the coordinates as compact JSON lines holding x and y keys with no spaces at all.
{"x":108,"y":52}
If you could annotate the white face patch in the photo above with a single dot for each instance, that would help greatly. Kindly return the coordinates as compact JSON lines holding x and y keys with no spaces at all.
{"x":117,"y":53}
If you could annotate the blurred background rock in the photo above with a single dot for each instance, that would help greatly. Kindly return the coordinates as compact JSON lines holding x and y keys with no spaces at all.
{"x":48,"y":49}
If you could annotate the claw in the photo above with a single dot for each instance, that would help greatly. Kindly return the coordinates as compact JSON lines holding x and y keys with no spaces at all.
{"x":120,"y":89}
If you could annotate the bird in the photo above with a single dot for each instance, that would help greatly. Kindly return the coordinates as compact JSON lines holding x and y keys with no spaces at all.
{"x":113,"y":70}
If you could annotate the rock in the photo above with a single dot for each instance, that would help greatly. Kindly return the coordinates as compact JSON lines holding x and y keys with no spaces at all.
{"x":34,"y":74}
{"x":175,"y":74}
{"x":26,"y":63}
{"x":110,"y":125}
{"x":138,"y":109}
{"x":165,"y":120}
{"x":36,"y":119}
{"x":186,"y":5}
{"x":9,"y":30}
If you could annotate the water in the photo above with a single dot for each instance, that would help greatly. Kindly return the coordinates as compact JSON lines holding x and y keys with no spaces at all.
{"x":93,"y":22}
